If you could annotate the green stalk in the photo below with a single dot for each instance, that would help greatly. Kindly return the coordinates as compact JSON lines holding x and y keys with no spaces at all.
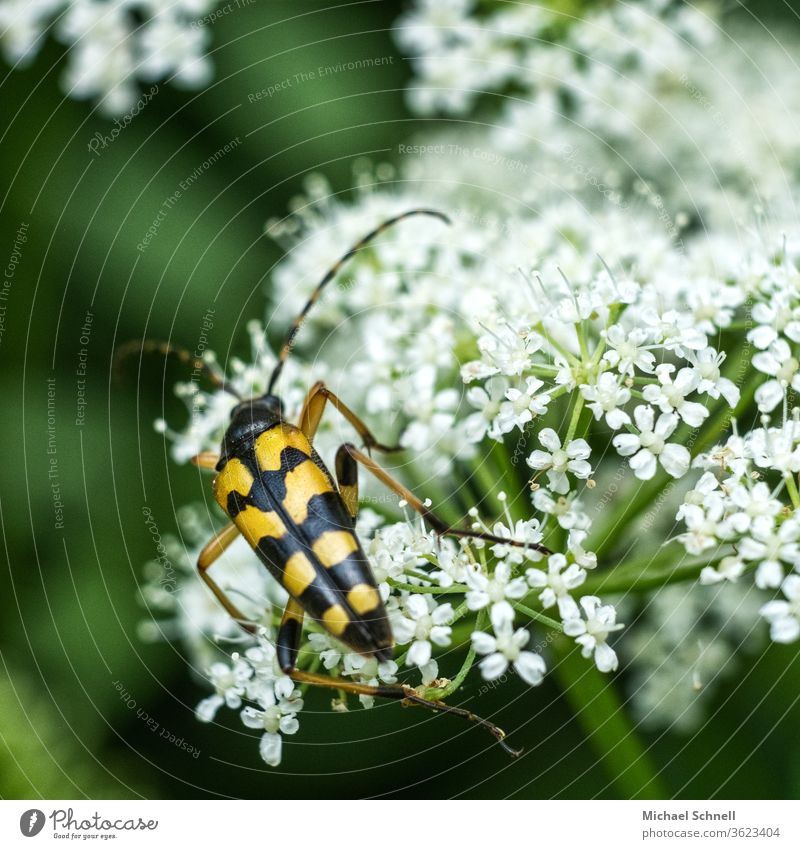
{"x":791,"y":488}
{"x":444,"y":692}
{"x":538,"y":617}
{"x":573,"y":423}
{"x":628,"y":580}
{"x":602,"y":715}
{"x":413,"y":588}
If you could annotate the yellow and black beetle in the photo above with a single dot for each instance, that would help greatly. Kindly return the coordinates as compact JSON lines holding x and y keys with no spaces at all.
{"x":300,"y":521}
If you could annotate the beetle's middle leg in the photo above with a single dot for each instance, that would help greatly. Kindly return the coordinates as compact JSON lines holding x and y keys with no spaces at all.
{"x":208,"y":556}
{"x":319,"y":395}
{"x":441,"y":527}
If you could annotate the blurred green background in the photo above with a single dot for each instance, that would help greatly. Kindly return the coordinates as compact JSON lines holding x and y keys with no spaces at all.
{"x":69,"y":595}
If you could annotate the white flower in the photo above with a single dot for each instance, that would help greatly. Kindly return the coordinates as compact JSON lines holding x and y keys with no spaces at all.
{"x":495,"y":589}
{"x":557,"y":583}
{"x":779,"y":363}
{"x":606,"y":396}
{"x":776,"y":316}
{"x":521,"y":406}
{"x":671,"y":395}
{"x":423,"y":624}
{"x":784,"y":616}
{"x":266,"y":673}
{"x":488,"y":406}
{"x":558,"y":461}
{"x":627,"y":350}
{"x":507,"y":646}
{"x":675,"y":330}
{"x":527,"y":531}
{"x":747,"y":503}
{"x":509,"y":349}
{"x":650,"y":444}
{"x":775,"y":448}
{"x":705,"y":366}
{"x":770,"y":547}
{"x":592,"y":632}
{"x":567,"y":509}
{"x":703,"y":526}
{"x":728,"y":569}
{"x":477,"y":370}
{"x":230,"y":682}
{"x":275,"y":718}
{"x":112,"y":45}
{"x":367,"y":670}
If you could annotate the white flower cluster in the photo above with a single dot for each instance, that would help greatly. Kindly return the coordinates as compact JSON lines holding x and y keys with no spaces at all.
{"x":533,"y":350}
{"x":645,"y":102}
{"x":744,"y":512}
{"x":256,"y":678}
{"x":605,"y":64}
{"x":112,"y":45}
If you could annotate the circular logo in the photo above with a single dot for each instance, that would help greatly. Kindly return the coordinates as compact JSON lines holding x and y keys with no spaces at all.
{"x":31,"y":822}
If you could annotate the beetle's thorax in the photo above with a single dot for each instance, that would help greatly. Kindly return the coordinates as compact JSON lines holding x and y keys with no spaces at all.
{"x":248,"y":419}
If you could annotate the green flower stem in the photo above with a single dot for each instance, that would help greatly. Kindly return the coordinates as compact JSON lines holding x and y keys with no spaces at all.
{"x":569,"y":357}
{"x":487,"y":477}
{"x":634,"y":579}
{"x":443,"y":692}
{"x":576,"y":414}
{"x":413,"y":588}
{"x":538,"y":617}
{"x":604,"y":719}
{"x":580,"y":329}
{"x":791,"y":488}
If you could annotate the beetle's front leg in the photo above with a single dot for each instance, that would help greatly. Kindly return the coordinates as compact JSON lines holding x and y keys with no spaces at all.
{"x":208,"y":556}
{"x":206,"y":460}
{"x":314,"y":406}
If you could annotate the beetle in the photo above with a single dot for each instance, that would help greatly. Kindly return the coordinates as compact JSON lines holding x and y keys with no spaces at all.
{"x":300,"y":520}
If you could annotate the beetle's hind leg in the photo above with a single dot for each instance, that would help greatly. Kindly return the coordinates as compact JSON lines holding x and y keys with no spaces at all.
{"x":313,"y":408}
{"x":405,"y":694}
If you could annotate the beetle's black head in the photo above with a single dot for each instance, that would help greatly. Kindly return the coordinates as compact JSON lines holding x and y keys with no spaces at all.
{"x":249,"y":418}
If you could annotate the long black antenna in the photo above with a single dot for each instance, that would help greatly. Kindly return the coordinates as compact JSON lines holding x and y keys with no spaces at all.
{"x":167,"y":349}
{"x":332,"y":272}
